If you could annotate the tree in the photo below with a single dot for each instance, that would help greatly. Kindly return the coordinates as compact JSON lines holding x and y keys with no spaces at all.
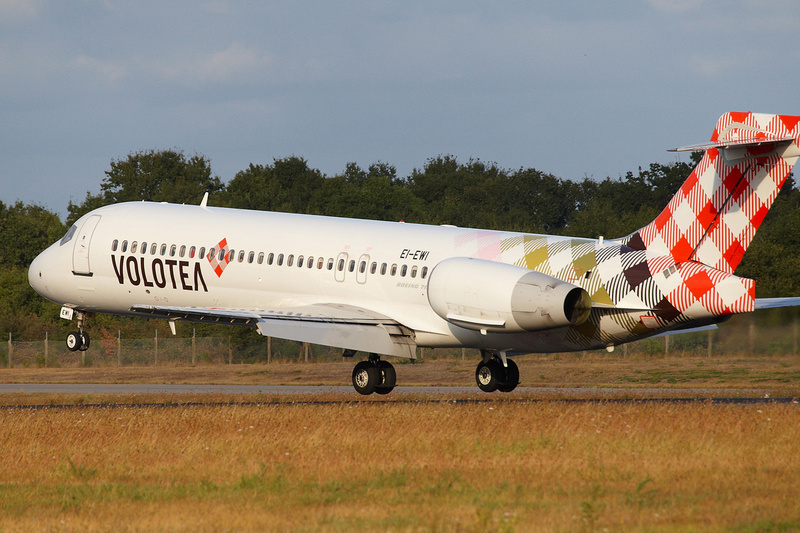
{"x":156,"y":176}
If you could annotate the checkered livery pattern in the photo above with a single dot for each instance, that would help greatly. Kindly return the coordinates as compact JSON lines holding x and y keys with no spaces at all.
{"x":713,"y":217}
{"x":646,"y":290}
{"x":214,"y":258}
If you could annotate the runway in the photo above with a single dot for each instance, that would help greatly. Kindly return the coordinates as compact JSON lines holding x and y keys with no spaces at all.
{"x":404,"y":392}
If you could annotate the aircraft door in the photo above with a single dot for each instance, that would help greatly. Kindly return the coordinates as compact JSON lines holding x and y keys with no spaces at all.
{"x":340,"y":266}
{"x":80,"y":254}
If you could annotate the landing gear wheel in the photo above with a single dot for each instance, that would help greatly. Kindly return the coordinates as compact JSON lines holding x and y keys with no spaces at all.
{"x":512,"y":377}
{"x":366,"y":377}
{"x":490,"y":375}
{"x":74,"y":341}
{"x":388,"y":377}
{"x":84,"y":341}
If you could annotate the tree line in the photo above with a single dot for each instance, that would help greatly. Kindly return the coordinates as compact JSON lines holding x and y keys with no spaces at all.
{"x":444,"y":191}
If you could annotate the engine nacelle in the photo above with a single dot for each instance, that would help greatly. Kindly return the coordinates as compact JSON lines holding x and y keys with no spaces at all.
{"x":487,"y":296}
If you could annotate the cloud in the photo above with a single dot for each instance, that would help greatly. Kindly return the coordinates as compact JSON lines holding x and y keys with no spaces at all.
{"x":231,"y":64}
{"x":107,"y":71}
{"x":17,"y":10}
{"x":676,"y":6}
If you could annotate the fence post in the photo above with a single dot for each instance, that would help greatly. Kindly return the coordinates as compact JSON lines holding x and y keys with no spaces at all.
{"x":666,"y":345}
{"x":45,"y":349}
{"x":10,"y":349}
{"x":230,"y":351}
{"x":751,"y":337}
{"x":269,"y":350}
{"x":193,"y":346}
{"x":155,"y":358}
{"x":119,"y":348}
{"x":710,"y":341}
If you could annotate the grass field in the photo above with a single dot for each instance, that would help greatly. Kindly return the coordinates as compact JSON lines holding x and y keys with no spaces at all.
{"x":512,"y":463}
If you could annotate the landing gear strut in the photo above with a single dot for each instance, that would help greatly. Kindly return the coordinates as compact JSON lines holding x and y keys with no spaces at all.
{"x":491,"y":375}
{"x":374,"y":375}
{"x":78,"y":340}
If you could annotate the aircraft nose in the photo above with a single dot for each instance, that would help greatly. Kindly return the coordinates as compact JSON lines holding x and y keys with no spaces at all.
{"x":37,"y":275}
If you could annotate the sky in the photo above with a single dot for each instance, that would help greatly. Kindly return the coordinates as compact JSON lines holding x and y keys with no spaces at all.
{"x":577,"y":89}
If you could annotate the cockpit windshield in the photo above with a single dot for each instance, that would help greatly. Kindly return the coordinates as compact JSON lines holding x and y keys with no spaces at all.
{"x":68,"y":236}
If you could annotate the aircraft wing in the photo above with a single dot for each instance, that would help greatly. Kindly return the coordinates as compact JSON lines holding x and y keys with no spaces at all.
{"x":338,"y":325}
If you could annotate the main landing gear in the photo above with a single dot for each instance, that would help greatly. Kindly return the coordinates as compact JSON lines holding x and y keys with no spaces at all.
{"x":374,"y":375}
{"x":491,"y":375}
{"x":78,"y":340}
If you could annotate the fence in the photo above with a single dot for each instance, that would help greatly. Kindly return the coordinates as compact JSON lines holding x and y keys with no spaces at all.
{"x":743,"y":335}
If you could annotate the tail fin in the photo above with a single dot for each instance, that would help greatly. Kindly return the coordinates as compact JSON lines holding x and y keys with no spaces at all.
{"x":713,"y":217}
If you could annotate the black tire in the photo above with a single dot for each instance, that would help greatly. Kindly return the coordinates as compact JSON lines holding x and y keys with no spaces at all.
{"x":73,"y":341}
{"x":490,"y":375}
{"x":84,"y":341}
{"x":366,"y":377}
{"x":512,"y":377}
{"x":388,"y":378}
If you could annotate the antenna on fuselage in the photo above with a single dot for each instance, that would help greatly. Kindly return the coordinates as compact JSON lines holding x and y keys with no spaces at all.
{"x":204,"y":201}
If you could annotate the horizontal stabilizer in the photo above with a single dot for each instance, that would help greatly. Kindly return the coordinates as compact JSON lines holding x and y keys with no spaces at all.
{"x":774,"y":303}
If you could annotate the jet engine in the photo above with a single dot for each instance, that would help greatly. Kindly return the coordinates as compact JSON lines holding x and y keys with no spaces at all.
{"x":488,"y":296}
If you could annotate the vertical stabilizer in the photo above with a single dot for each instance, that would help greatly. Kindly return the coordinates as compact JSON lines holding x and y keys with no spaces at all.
{"x":713,"y":217}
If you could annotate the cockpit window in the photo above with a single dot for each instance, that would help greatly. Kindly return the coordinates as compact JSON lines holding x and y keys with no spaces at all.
{"x":68,"y":236}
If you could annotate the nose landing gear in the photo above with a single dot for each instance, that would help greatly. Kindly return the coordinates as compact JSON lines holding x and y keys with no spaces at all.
{"x":78,"y":340}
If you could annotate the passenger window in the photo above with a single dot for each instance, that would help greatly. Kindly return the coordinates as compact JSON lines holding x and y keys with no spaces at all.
{"x":202,"y":253}
{"x":251,"y":257}
{"x":134,"y":246}
{"x":124,"y":246}
{"x":394,"y":270}
{"x":241,"y":256}
{"x":172,"y":250}
{"x":153,"y":248}
{"x":320,"y":262}
{"x":290,"y":260}
{"x":352,"y":265}
{"x":403,"y":270}
{"x":280,"y":259}
{"x":182,"y":251}
{"x":330,"y":264}
{"x":374,"y":268}
{"x":260,"y":258}
{"x":211,"y":253}
{"x":424,"y":272}
{"x":144,"y":248}
{"x":221,"y":255}
{"x":113,"y":244}
{"x":270,"y":258}
{"x":341,"y":265}
{"x":300,"y":262}
{"x":71,"y":232}
{"x":231,"y":255}
{"x":163,"y":249}
{"x":310,"y":261}
{"x":191,"y":252}
{"x":362,"y":267}
{"x":383,"y":269}
{"x":414,"y":272}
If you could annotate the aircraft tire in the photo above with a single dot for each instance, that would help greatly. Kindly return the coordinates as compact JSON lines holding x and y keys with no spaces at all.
{"x":73,"y":341}
{"x":489,"y":375}
{"x":388,"y":377}
{"x":84,"y":341}
{"x":512,"y":377}
{"x":366,"y":377}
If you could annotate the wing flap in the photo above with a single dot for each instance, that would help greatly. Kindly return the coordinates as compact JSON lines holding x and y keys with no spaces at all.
{"x":341,"y":326}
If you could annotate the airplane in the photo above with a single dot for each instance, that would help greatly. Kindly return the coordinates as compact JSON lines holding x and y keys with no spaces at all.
{"x":386,"y":288}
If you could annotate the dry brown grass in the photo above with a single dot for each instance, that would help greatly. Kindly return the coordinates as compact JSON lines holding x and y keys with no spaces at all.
{"x":391,"y":466}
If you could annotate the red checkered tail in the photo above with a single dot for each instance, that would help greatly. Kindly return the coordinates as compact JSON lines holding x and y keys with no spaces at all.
{"x":713,"y":217}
